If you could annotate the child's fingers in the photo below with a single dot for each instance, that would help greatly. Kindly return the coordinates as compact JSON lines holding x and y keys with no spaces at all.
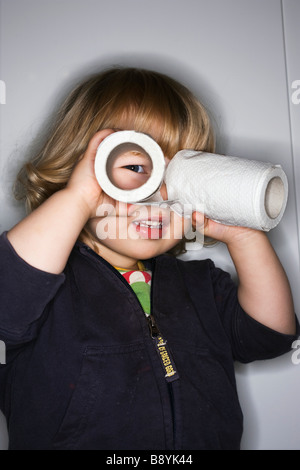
{"x":217,"y":230}
{"x":83,"y":176}
{"x":208,"y":227}
{"x":94,"y":143}
{"x":199,"y":221}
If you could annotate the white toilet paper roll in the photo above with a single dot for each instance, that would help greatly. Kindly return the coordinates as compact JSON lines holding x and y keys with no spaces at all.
{"x":230,"y":190}
{"x":123,"y":141}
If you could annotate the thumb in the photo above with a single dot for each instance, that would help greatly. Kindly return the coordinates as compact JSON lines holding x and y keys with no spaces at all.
{"x":199,"y":221}
{"x":208,"y":227}
{"x":95,"y":142}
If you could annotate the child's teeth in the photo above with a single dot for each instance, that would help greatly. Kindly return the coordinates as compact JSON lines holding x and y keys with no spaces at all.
{"x":148,"y":223}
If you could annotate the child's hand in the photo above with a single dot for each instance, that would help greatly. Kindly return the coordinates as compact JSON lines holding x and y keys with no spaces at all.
{"x":225,"y":233}
{"x":45,"y":238}
{"x":263,"y":290}
{"x":83,"y":181}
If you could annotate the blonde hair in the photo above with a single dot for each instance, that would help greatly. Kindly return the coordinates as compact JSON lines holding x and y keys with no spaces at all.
{"x":125,"y":98}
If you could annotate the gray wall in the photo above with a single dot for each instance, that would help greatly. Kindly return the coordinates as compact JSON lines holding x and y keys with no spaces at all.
{"x":239,"y":56}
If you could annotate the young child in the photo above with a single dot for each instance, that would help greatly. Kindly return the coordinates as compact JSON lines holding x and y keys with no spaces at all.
{"x":96,"y":359}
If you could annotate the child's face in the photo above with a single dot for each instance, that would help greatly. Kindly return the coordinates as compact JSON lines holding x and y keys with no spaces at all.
{"x":129,"y":232}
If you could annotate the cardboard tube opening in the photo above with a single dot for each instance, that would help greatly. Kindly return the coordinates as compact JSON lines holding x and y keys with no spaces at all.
{"x":128,"y":166}
{"x":274,"y":197}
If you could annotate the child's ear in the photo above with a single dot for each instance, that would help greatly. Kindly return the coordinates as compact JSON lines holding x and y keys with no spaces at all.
{"x":167,"y":161}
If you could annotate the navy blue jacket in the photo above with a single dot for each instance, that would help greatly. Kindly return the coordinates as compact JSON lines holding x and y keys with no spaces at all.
{"x":83,"y":371}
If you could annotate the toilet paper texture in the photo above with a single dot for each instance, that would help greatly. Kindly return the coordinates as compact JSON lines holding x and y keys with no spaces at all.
{"x":231,"y":190}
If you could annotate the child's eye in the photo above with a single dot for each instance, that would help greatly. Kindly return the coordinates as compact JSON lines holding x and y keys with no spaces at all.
{"x":135,"y":168}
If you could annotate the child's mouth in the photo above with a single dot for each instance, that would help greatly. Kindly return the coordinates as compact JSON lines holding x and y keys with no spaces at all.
{"x":153,"y":229}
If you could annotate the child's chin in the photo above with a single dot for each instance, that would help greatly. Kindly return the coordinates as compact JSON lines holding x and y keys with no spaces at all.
{"x":148,"y":248}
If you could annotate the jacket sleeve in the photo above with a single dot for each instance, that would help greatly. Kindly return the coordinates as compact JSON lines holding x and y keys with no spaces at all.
{"x":250,"y":339}
{"x":24,"y":294}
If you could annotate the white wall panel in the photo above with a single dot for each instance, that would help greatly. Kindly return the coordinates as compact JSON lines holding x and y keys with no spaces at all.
{"x":233,"y":54}
{"x":291,"y":18}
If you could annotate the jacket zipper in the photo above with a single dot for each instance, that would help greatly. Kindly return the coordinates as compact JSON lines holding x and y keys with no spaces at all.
{"x":160,"y":343}
{"x":163,"y":351}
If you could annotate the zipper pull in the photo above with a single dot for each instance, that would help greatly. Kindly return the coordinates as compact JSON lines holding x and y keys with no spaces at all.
{"x":163,"y":351}
{"x":154,"y":331}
